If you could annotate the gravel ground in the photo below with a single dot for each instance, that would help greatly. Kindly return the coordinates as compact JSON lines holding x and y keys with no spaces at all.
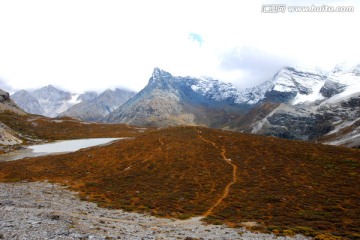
{"x":48,"y":211}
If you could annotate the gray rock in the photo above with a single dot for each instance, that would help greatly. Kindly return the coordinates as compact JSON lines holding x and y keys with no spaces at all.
{"x":28,"y":102}
{"x":4,"y":96}
{"x":6,"y":203}
{"x":332,"y":88}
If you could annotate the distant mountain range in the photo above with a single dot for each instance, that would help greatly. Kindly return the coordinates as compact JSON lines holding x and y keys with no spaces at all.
{"x":48,"y":101}
{"x":89,"y":106}
{"x":304,"y":104}
{"x":95,"y":107}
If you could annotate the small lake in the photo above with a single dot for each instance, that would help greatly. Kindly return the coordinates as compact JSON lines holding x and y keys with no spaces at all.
{"x":65,"y":146}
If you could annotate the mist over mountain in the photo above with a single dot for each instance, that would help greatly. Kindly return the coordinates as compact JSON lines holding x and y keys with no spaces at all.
{"x":48,"y":101}
{"x":94,"y":107}
{"x":52,"y":102}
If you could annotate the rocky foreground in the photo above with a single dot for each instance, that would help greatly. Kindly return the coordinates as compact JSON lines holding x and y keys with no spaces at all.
{"x":48,"y":211}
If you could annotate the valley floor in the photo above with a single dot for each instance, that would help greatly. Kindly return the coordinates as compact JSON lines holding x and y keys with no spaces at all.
{"x":42,"y":210}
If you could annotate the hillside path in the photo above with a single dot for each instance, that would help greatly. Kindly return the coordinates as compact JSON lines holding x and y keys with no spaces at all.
{"x":234,"y":175}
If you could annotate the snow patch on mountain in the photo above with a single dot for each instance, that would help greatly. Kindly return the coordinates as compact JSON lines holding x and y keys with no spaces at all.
{"x":304,"y":84}
{"x":74,"y":98}
{"x":341,"y":125}
{"x":351,"y":83}
{"x":48,"y":101}
{"x":347,"y":140}
{"x":215,"y":89}
{"x":315,"y":95}
{"x":94,"y":107}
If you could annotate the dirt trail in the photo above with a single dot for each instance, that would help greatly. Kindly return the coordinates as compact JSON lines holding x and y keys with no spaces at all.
{"x":42,"y":210}
{"x":234,"y":175}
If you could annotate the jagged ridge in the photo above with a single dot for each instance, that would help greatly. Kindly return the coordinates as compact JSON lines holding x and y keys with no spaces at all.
{"x":296,"y":104}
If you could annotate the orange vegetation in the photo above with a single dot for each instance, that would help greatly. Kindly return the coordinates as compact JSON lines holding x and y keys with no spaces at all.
{"x":287,"y":186}
{"x":39,"y":127}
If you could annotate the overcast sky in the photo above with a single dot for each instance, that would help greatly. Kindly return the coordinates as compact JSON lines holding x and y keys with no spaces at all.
{"x":93,"y":45}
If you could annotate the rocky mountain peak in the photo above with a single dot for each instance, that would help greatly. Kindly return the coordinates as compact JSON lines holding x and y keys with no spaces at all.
{"x":295,"y":84}
{"x":87,"y":96}
{"x":4,"y":96}
{"x":108,"y":91}
{"x":160,"y":77}
{"x":50,"y":86}
{"x":49,"y":89}
{"x":160,"y":73}
{"x":7,"y":104}
{"x":52,"y":93}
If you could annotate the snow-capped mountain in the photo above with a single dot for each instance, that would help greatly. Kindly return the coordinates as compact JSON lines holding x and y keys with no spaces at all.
{"x":287,"y":84}
{"x":299,"y":85}
{"x":296,"y":103}
{"x":169,"y":100}
{"x":308,"y":105}
{"x":48,"y":101}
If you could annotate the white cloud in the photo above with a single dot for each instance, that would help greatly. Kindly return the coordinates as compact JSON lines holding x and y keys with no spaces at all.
{"x":254,"y":65}
{"x":88,"y":44}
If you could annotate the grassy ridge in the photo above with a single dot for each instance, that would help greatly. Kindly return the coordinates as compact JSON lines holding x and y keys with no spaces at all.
{"x":40,"y":127}
{"x":287,"y":186}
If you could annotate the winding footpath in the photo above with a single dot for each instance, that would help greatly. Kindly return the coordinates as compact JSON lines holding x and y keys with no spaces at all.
{"x":234,"y":175}
{"x":42,"y":210}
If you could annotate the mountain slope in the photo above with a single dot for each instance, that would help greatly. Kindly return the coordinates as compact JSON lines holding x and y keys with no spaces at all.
{"x":169,"y":100}
{"x":48,"y":101}
{"x":312,"y":106}
{"x":8,"y":106}
{"x":95,"y":108}
{"x":28,"y":102}
{"x":224,"y":176}
{"x":8,"y":136}
{"x":297,"y":103}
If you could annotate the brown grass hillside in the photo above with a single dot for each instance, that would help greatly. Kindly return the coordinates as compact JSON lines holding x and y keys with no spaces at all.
{"x":287,"y":186}
{"x":32,"y":127}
